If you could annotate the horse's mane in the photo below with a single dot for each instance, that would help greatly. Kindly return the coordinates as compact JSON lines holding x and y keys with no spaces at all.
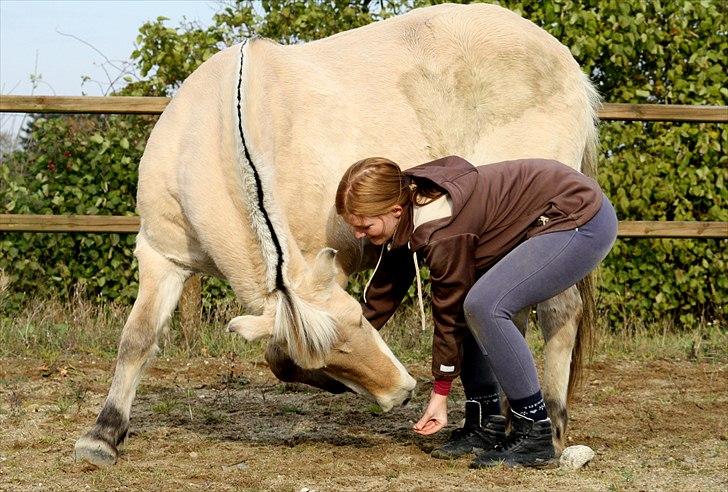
{"x":309,"y":333}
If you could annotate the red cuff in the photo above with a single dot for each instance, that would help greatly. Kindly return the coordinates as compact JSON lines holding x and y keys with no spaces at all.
{"x":442,"y":387}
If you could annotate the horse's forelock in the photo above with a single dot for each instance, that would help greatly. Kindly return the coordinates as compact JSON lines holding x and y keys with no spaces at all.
{"x":308,"y":332}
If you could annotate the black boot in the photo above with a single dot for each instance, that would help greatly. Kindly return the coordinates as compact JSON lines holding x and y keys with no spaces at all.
{"x":529,"y":444}
{"x":480,"y":432}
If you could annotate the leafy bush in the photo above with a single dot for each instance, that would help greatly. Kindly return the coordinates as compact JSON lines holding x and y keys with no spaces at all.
{"x":665,"y":171}
{"x":634,"y":51}
{"x":73,"y":165}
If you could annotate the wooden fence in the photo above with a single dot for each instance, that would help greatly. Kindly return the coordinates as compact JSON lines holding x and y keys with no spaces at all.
{"x":155,"y":105}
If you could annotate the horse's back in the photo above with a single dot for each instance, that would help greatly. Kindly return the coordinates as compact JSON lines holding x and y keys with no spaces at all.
{"x":476,"y":80}
{"x":188,"y":159}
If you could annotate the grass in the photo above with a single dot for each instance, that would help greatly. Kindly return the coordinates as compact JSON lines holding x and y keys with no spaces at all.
{"x":653,"y":409}
{"x":709,"y":341}
{"x":632,"y":339}
{"x":655,"y":425}
{"x":47,"y":329}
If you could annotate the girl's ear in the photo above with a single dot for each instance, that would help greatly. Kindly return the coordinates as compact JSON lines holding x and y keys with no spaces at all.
{"x":397,"y":211}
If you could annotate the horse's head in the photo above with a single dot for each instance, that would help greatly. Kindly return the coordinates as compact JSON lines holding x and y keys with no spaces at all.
{"x":322,"y":327}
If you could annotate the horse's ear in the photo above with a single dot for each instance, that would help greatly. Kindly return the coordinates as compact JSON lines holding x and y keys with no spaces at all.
{"x":324,"y":269}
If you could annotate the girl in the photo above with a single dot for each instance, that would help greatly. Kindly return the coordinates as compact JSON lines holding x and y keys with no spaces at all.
{"x":497,"y":238}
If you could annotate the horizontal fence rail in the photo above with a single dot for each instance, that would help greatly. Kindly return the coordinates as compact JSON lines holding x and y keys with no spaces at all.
{"x":672,"y":229}
{"x":664,"y":112}
{"x":69,"y":223}
{"x":155,"y":105}
{"x":130,"y":224}
{"x":84,"y":104}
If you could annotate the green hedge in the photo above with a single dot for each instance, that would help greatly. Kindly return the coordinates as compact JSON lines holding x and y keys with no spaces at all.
{"x":665,"y":171}
{"x":73,"y":165}
{"x":635,"y":51}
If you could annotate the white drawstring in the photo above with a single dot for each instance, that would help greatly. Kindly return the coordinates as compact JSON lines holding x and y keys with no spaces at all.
{"x":373,"y":273}
{"x":419,"y":289}
{"x":419,"y":284}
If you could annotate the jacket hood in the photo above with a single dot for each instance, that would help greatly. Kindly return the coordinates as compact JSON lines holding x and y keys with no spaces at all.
{"x":450,"y":173}
{"x":455,"y":175}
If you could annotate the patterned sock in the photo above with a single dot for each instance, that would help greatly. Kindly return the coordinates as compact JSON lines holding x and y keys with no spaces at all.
{"x":489,"y":401}
{"x":532,"y":407}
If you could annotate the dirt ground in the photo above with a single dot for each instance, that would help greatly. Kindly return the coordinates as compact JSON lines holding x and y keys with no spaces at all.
{"x":218,"y":424}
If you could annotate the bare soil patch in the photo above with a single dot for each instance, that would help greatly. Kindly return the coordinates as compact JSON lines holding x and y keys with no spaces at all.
{"x":227,"y":424}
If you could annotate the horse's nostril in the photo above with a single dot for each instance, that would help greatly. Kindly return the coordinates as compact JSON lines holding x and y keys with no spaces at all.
{"x":406,"y":401}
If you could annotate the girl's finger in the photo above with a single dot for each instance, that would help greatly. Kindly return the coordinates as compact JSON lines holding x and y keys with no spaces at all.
{"x":430,"y":427}
{"x":420,"y":423}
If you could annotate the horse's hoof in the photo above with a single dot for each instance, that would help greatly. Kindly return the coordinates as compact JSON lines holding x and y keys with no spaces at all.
{"x":95,"y":451}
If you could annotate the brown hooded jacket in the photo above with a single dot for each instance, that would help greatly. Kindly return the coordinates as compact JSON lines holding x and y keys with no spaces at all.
{"x":495,"y":207}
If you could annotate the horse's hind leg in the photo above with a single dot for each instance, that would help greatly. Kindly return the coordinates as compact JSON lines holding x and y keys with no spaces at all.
{"x":520,"y":319}
{"x":559,"y":319}
{"x":160,"y":286}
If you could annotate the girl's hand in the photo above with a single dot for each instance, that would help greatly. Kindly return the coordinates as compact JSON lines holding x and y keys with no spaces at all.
{"x":435,"y":416}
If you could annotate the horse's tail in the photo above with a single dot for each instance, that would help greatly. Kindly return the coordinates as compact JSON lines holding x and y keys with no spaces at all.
{"x":591,"y":143}
{"x":586,"y":331}
{"x":584,"y":342}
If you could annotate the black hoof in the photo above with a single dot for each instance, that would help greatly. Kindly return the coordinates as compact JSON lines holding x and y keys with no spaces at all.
{"x":95,"y":451}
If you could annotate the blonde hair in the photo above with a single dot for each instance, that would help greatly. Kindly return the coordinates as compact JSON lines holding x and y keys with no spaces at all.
{"x":372,"y":186}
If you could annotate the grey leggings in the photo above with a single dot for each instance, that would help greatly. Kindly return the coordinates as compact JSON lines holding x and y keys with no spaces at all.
{"x":534,"y":271}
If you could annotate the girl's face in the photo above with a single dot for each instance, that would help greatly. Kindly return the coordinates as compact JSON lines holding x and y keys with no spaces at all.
{"x":378,"y":229}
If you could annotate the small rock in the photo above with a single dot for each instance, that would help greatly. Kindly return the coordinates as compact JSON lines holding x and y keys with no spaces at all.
{"x":240,"y":466}
{"x":574,"y":457}
{"x":193,"y":454}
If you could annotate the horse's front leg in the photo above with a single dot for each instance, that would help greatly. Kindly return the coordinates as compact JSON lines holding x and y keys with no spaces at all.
{"x":160,"y":287}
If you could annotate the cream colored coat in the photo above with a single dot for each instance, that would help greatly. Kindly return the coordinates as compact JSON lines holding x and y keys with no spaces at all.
{"x":476,"y":81}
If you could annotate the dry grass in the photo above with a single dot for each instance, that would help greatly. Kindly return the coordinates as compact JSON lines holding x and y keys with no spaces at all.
{"x":209,"y":414}
{"x":47,"y":329}
{"x":227,"y":424}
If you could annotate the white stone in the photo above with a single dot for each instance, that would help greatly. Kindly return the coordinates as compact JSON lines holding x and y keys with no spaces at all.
{"x":240,"y":466}
{"x":574,"y":457}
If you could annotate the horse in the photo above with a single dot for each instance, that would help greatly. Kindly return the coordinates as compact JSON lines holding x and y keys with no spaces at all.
{"x":239,"y":174}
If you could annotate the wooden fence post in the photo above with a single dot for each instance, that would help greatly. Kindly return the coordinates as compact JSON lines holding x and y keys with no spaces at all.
{"x":190,"y":308}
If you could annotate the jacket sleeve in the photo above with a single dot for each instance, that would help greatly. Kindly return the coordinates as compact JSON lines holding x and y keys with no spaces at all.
{"x":388,"y":286}
{"x":452,"y":274}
